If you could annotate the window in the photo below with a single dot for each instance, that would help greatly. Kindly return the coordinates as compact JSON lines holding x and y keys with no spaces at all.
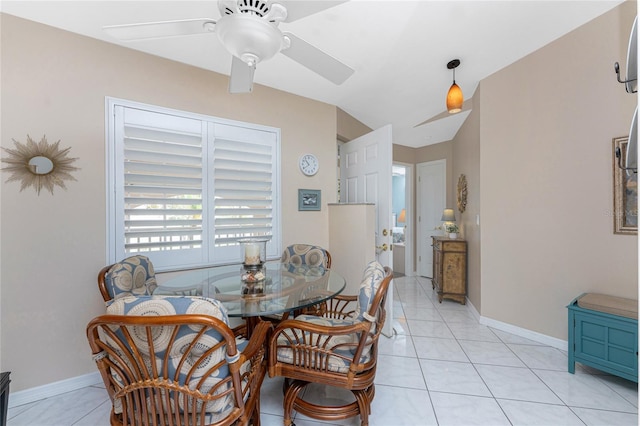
{"x":183,"y":188}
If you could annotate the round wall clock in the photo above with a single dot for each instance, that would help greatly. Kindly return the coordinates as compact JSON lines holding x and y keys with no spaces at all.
{"x":462,"y":193}
{"x":309,"y":164}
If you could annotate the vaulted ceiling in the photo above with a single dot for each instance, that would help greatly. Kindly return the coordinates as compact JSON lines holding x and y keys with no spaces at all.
{"x":398,"y":49}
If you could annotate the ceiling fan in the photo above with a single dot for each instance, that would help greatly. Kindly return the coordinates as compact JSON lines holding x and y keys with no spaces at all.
{"x":248,"y":30}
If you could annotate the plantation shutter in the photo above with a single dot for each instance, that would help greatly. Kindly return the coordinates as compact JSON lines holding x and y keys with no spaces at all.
{"x":184,"y":187}
{"x":162,"y":185}
{"x":244,"y":169}
{"x":243,"y":193}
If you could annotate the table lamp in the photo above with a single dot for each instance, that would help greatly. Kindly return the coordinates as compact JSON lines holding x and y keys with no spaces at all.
{"x":448,"y":215}
{"x":403,"y":216}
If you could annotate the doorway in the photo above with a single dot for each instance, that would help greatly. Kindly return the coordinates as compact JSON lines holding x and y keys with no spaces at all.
{"x":402,"y":219}
{"x":431,"y":201}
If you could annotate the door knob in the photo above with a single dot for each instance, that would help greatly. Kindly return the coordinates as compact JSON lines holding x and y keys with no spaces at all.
{"x":383,"y":247}
{"x":385,"y":232}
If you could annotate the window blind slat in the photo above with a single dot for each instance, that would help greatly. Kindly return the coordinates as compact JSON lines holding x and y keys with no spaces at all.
{"x":159,"y":224}
{"x":162,"y":181}
{"x":164,"y":233}
{"x":162,"y":212}
{"x":191,"y":201}
{"x":236,"y":192}
{"x":164,"y":245}
{"x":140,"y":191}
{"x":222,"y":212}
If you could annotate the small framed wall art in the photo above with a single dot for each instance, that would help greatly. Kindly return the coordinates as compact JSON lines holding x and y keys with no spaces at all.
{"x":309,"y":200}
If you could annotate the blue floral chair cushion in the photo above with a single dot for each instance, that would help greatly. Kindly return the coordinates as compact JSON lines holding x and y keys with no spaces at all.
{"x":371,"y":280}
{"x":174,"y":305}
{"x":133,"y":276}
{"x":305,"y":254}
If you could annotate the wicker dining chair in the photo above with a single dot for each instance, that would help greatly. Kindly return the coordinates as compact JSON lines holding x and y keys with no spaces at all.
{"x":133,"y":276}
{"x":337,"y":349}
{"x":173,"y":360}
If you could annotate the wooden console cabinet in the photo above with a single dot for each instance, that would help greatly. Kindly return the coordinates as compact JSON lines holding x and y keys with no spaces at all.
{"x":450,"y":268}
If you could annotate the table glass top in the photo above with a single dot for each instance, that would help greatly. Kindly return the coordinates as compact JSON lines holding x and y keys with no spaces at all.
{"x":285,"y":287}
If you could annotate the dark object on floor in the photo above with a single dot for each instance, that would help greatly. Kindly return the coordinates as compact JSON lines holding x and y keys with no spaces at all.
{"x":4,"y":397}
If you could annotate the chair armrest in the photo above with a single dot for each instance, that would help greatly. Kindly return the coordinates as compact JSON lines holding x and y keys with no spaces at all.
{"x":257,"y":341}
{"x":348,"y":298}
{"x":294,"y":324}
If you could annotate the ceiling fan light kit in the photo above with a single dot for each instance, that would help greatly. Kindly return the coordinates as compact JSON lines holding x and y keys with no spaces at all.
{"x":455,"y":99}
{"x":249,"y":38}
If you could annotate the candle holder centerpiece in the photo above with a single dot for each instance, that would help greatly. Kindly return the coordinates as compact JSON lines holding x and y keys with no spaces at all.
{"x":254,"y":256}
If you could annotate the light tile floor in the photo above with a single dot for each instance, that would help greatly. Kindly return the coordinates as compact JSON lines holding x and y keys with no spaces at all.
{"x":442,"y":368}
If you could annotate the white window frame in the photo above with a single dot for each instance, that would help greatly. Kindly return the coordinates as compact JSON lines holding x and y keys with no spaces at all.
{"x":212,"y":128}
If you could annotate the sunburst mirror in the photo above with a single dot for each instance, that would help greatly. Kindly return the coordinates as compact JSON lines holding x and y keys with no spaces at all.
{"x":41,"y":165}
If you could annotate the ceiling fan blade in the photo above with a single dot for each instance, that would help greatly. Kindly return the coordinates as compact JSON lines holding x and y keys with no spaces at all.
{"x":241,"y":78}
{"x":316,"y":60}
{"x":161,"y":29}
{"x":299,"y":9}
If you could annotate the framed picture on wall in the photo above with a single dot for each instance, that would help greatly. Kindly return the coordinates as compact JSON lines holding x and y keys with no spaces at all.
{"x":309,"y":200}
{"x":625,"y":192}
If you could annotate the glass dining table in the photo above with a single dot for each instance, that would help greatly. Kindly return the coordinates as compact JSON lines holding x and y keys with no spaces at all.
{"x":285,"y":288}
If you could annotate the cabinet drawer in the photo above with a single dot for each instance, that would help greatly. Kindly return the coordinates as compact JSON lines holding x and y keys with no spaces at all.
{"x":455,"y":246}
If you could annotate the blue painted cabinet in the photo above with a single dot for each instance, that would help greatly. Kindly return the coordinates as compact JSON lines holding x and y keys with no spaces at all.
{"x":604,"y":341}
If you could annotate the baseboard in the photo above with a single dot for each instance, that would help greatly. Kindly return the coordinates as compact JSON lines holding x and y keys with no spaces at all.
{"x":527,"y":334}
{"x":52,"y":389}
{"x":473,"y":309}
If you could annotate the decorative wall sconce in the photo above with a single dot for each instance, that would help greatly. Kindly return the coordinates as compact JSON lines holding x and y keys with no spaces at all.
{"x":41,"y":165}
{"x":462,"y":193}
{"x":455,"y":99}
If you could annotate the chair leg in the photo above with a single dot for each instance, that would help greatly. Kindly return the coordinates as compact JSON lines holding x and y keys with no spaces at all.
{"x":364,"y":406}
{"x":255,"y":418}
{"x":291,"y":390}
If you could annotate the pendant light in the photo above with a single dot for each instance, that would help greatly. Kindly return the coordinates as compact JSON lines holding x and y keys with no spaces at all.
{"x":454,"y":97}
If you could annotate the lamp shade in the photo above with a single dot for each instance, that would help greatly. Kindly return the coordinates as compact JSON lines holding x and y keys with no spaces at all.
{"x":403,"y":216}
{"x":448,"y":215}
{"x":455,"y":99}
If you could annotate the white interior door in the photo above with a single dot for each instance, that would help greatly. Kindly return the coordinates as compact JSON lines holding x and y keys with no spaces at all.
{"x":432,"y":198}
{"x":365,"y":176}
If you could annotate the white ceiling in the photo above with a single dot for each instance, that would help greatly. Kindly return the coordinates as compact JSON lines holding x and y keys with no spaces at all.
{"x":399,"y":49}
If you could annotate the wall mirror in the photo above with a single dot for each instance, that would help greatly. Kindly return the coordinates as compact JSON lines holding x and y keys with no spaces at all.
{"x":41,"y":165}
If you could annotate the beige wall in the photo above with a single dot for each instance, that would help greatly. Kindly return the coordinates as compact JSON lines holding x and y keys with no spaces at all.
{"x":349,"y":127}
{"x":55,"y":83}
{"x":466,"y":160}
{"x":546,"y":127}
